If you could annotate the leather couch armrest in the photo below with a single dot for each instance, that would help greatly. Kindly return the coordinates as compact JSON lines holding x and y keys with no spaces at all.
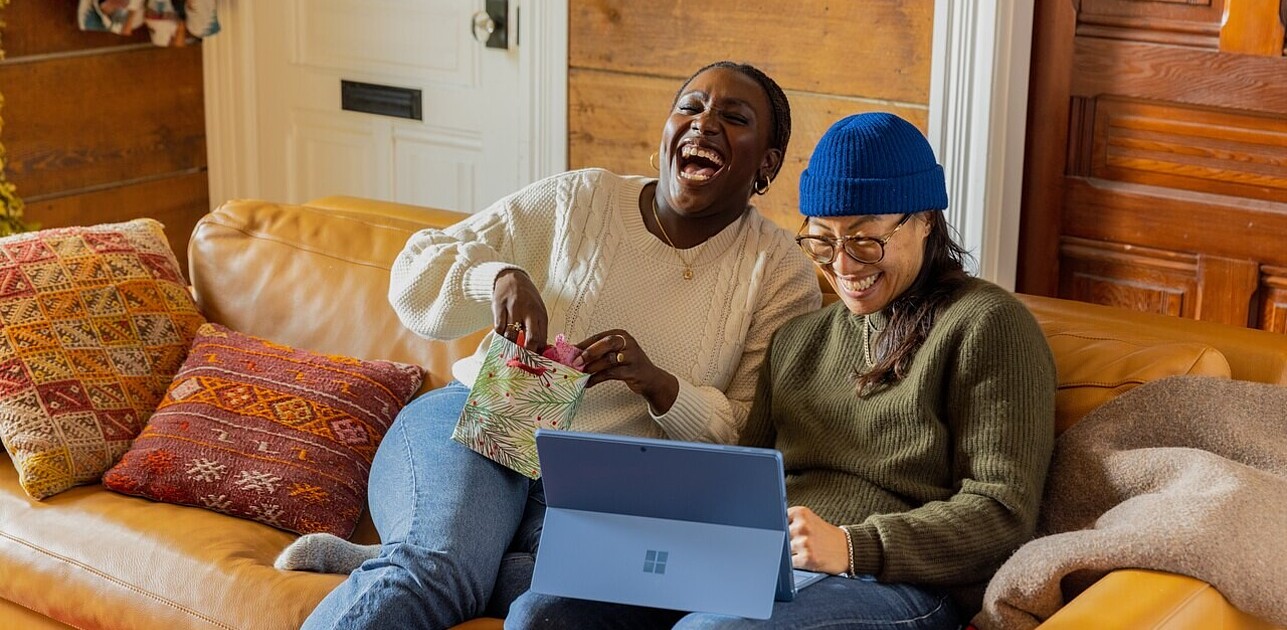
{"x":1136,"y":599}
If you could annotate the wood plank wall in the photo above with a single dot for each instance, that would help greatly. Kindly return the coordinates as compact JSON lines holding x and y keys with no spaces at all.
{"x":1156,"y":172}
{"x":100,"y":127}
{"x":833,"y":58}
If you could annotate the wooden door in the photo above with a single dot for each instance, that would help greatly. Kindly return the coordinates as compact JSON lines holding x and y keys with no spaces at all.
{"x":1155,"y":174}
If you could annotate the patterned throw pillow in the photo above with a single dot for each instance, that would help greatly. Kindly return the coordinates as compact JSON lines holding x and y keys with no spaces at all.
{"x":95,"y":321}
{"x":267,"y":432}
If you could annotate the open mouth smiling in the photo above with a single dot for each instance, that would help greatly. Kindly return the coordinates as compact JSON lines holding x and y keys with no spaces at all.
{"x":858,"y":285}
{"x":698,"y":163}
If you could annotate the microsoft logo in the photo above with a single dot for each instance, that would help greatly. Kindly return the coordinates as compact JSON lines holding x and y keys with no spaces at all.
{"x":655,"y":561}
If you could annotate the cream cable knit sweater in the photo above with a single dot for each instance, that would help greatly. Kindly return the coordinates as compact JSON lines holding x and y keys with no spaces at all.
{"x":581,"y":238}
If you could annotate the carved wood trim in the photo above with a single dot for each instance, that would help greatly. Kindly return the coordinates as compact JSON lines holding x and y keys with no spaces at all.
{"x":1252,"y":27}
{"x":1126,"y":276}
{"x":1232,"y":153}
{"x":1161,"y":217}
{"x":1182,"y":75}
{"x":1081,"y":136}
{"x":1170,"y":32}
{"x":1273,"y":299}
{"x":1195,"y":24}
{"x":1226,"y":289}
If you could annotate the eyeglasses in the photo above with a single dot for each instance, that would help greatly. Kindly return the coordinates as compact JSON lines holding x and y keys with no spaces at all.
{"x":868,"y":250}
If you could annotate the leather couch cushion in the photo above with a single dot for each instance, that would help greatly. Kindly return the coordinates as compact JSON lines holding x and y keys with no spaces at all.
{"x":98,"y":559}
{"x":314,"y":278}
{"x":1094,"y":366}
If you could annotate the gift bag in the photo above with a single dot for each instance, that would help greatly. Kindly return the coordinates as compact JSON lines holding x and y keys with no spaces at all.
{"x":517,"y":392}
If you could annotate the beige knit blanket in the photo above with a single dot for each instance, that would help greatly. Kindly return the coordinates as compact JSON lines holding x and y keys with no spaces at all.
{"x":1185,"y":474}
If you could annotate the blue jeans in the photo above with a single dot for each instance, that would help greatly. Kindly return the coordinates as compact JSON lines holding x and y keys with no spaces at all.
{"x":458,"y":531}
{"x":834,"y":602}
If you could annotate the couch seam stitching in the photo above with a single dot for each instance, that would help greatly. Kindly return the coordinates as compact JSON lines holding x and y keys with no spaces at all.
{"x":220,"y":213}
{"x":262,"y":236}
{"x":1179,"y":607}
{"x":119,"y":582}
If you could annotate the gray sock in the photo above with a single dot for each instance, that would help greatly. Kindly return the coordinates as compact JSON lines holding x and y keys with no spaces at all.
{"x":324,"y":553}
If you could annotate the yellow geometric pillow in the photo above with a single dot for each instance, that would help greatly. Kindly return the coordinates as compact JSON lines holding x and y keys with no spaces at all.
{"x":96,"y":321}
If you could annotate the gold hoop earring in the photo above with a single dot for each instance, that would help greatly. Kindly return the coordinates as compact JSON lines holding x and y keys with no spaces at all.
{"x":652,"y":161}
{"x":761,"y":190}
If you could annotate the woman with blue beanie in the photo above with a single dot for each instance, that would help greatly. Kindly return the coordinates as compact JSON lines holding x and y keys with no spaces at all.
{"x":915,"y":415}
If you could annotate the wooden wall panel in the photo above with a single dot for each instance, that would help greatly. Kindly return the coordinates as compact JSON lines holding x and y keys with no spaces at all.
{"x":1226,"y":289}
{"x":1171,"y":73}
{"x":1160,"y":164}
{"x":620,"y":134}
{"x":40,"y":27}
{"x":1193,"y":23}
{"x":876,"y":48}
{"x":177,"y":202}
{"x":1046,"y":147}
{"x":1216,"y":151}
{"x":136,"y":113}
{"x":1246,"y":31}
{"x":1273,"y":299}
{"x":1127,"y":213}
{"x":1156,"y":281}
{"x":833,"y":58}
{"x":99,"y":127}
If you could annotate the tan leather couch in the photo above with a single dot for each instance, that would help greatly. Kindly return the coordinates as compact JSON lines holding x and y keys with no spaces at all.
{"x":315,"y":276}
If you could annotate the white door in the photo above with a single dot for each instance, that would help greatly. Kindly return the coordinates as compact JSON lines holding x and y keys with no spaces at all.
{"x":469,"y":149}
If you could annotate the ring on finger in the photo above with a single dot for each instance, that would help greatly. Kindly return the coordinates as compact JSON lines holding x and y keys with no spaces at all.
{"x":619,"y":358}
{"x":515,"y":326}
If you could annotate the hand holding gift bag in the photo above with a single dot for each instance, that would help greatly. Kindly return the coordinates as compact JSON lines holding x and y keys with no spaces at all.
{"x":516,"y":392}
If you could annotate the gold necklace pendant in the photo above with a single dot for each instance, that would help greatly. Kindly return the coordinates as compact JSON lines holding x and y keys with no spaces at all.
{"x":688,"y":268}
{"x":866,"y":344}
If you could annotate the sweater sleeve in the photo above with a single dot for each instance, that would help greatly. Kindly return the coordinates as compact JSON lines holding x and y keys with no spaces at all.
{"x":999,"y":404}
{"x":441,"y":283}
{"x":708,"y":414}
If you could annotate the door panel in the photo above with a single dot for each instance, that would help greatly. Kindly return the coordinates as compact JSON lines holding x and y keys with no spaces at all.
{"x":309,"y":147}
{"x":1156,"y":176}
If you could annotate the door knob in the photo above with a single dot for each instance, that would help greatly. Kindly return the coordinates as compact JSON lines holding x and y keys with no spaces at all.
{"x":485,"y":24}
{"x":489,"y":26}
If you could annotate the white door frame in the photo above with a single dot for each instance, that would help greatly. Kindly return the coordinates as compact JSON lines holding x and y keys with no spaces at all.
{"x":232,"y":130}
{"x":977,"y":112}
{"x":977,"y":123}
{"x":228,"y":65}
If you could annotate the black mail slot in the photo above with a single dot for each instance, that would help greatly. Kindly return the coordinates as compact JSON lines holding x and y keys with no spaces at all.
{"x":384,"y":100}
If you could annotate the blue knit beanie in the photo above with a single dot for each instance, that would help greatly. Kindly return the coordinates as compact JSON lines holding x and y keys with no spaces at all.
{"x":874,"y":163}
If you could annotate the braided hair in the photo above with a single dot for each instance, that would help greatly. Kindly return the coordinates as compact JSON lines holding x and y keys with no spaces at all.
{"x":779,"y":107}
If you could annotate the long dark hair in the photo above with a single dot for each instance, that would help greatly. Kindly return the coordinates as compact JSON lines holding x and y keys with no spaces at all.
{"x":778,"y":104}
{"x":912,"y":314}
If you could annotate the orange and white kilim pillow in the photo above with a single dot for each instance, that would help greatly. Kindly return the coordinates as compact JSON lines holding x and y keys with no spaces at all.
{"x":267,"y":432}
{"x":96,"y":321}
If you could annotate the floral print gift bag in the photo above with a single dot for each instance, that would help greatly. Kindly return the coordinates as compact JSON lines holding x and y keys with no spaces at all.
{"x":517,"y":392}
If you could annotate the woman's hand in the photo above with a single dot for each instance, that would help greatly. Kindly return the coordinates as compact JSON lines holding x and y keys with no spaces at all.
{"x":517,"y":307}
{"x":615,"y":356}
{"x":816,"y":545}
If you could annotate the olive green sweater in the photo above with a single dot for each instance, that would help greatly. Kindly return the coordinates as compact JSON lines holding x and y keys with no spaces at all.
{"x":937,"y":477}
